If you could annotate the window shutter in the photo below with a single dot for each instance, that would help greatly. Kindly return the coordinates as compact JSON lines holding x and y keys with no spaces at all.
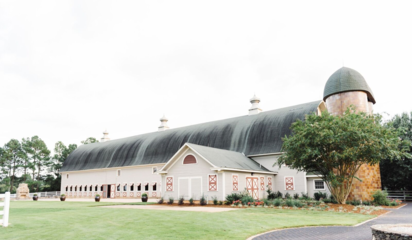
{"x":169,"y":184}
{"x":270,"y":183}
{"x":212,"y":182}
{"x":235,"y":180}
{"x":289,"y":183}
{"x":262,"y":183}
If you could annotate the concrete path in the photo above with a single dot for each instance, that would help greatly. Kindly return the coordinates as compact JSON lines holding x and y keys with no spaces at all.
{"x":108,"y":200}
{"x":361,"y":232}
{"x":189,"y":209}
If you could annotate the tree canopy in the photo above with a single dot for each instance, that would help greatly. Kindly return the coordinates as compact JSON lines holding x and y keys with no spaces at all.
{"x":90,"y":140}
{"x":397,"y":173}
{"x":335,"y":147}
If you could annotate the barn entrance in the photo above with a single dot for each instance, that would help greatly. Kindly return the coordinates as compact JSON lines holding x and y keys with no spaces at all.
{"x":190,"y":187}
{"x":252,"y":187}
{"x":108,"y":191}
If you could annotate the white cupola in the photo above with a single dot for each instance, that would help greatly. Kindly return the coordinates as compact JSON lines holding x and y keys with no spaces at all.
{"x":254,"y":109}
{"x":163,"y":125}
{"x":105,"y":137}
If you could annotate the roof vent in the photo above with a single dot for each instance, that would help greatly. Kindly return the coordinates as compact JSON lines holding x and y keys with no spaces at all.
{"x":163,"y":126}
{"x":254,"y":109}
{"x":105,"y":137}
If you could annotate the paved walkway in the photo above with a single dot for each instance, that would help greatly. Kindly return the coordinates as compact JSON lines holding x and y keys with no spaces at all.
{"x":362,"y":232}
{"x":175,"y":208}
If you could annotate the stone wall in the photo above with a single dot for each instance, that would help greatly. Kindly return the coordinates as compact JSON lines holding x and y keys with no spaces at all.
{"x":338,"y":103}
{"x":371,"y":181}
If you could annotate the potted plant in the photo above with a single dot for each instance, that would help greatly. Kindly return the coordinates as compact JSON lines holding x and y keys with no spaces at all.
{"x":35,"y":197}
{"x":97,"y":198}
{"x":144,"y":197}
{"x":63,"y":197}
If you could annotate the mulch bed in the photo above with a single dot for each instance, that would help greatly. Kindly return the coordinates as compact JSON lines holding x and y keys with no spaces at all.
{"x":335,"y":207}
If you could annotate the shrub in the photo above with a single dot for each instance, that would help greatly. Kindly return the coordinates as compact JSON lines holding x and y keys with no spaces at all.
{"x":266,"y":202}
{"x":191,"y":201}
{"x":180,"y":202}
{"x":215,"y":202}
{"x":220,"y":203}
{"x":247,"y":199}
{"x":305,"y":196}
{"x":297,"y":203}
{"x":289,"y":202}
{"x":233,"y":197}
{"x":203,"y":200}
{"x":271,"y":195}
{"x":296,"y":196}
{"x":332,"y":199}
{"x":160,"y":201}
{"x":367,"y":203}
{"x":320,"y":195}
{"x":380,"y":197}
{"x":277,"y":202}
{"x":144,"y":195}
{"x":171,"y":200}
{"x":279,"y":194}
{"x":62,"y":195}
{"x":287,"y":196}
{"x":327,"y":200}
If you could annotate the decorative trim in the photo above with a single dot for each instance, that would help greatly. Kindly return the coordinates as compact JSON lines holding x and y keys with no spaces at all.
{"x":169,"y":184}
{"x":289,"y":183}
{"x":235,"y":182}
{"x":212,"y":182}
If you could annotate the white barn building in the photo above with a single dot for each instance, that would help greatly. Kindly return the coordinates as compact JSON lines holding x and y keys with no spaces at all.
{"x":211,"y":159}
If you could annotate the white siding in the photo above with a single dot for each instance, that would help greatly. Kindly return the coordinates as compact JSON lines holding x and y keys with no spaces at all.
{"x":311,"y":187}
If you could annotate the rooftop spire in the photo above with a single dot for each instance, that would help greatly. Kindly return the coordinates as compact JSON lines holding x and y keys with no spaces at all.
{"x":163,"y":125}
{"x":105,"y":137}
{"x":255,"y":109}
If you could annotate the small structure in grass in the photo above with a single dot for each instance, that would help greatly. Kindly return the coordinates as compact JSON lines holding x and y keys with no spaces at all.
{"x":23,"y":191}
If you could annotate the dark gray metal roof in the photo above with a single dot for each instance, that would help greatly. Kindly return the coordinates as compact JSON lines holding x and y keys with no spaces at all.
{"x":251,"y":135}
{"x":344,"y":80}
{"x":227,"y":159}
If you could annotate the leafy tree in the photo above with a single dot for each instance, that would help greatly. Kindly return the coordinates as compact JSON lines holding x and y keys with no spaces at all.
{"x":12,"y":158}
{"x":337,"y":146}
{"x":397,"y":173}
{"x":90,"y":140}
{"x":38,"y":154}
{"x":61,"y":152}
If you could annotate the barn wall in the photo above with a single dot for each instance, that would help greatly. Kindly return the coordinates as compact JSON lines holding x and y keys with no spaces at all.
{"x":127,"y":176}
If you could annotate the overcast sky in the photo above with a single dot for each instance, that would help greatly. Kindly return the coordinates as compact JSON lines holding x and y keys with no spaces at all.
{"x":71,"y":69}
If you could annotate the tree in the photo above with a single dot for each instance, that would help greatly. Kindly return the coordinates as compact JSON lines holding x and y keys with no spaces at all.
{"x":336,"y":146}
{"x":12,"y":158}
{"x":90,"y":140}
{"x":39,"y":156}
{"x":397,"y":173}
{"x":61,"y":152}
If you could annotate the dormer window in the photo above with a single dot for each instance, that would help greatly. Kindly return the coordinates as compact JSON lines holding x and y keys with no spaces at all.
{"x":189,"y":159}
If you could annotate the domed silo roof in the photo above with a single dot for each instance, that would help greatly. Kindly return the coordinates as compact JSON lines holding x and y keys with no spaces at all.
{"x":345,"y":80}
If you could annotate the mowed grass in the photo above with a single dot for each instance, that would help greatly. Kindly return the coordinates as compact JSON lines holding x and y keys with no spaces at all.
{"x":84,"y":220}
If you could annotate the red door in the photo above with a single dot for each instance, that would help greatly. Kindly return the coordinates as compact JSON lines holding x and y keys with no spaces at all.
{"x":252,"y":187}
{"x":104,"y":191}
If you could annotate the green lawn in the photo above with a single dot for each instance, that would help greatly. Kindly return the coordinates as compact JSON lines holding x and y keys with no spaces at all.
{"x":82,"y":220}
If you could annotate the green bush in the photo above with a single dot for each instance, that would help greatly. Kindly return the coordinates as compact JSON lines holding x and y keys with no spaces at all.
{"x":215,"y":202}
{"x":287,"y":196}
{"x":296,"y":196}
{"x":247,"y":199}
{"x":298,"y":203}
{"x":305,"y":196}
{"x":320,"y":195}
{"x":203,"y":200}
{"x":220,"y":203}
{"x":367,"y":203}
{"x":160,"y":201}
{"x":271,"y":195}
{"x":327,"y":200}
{"x":380,"y":197}
{"x":277,"y":202}
{"x":180,"y":202}
{"x":289,"y":203}
{"x":279,"y":194}
{"x":191,"y":201}
{"x":171,"y":200}
{"x":266,"y":202}
{"x":234,"y":197}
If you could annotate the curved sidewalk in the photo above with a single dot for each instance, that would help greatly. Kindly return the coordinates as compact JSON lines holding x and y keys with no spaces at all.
{"x":362,"y":232}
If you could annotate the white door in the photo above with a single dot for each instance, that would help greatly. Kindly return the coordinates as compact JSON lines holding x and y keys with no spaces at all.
{"x":184,"y":188}
{"x":196,"y":187}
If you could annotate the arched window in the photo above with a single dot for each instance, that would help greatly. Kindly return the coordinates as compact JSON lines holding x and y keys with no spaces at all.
{"x":139,"y":187}
{"x":154,"y":187}
{"x":101,"y":188}
{"x":132,"y":187}
{"x":118,"y":188}
{"x":85,"y":188}
{"x":71,"y":188}
{"x":125,"y":188}
{"x":91,"y":188}
{"x":146,"y":187}
{"x":67,"y":188}
{"x":96,"y":187}
{"x":189,"y":159}
{"x":80,"y":189}
{"x":75,"y":188}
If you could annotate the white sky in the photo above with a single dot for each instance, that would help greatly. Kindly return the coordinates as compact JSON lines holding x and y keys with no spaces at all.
{"x":71,"y":69}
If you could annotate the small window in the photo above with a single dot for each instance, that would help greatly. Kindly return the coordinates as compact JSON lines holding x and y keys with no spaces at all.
{"x":67,"y":188}
{"x":139,"y":187}
{"x":75,"y":189}
{"x":71,"y":188}
{"x":85,"y":188}
{"x":101,"y":188}
{"x":319,"y":185}
{"x":189,"y":159}
{"x":154,"y":187}
{"x":132,"y":187}
{"x":118,"y":188}
{"x":95,"y":188}
{"x":146,"y":187}
{"x":67,"y":175}
{"x":91,"y":188}
{"x":80,"y":188}
{"x":154,"y":170}
{"x":118,"y":173}
{"x":125,"y":188}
